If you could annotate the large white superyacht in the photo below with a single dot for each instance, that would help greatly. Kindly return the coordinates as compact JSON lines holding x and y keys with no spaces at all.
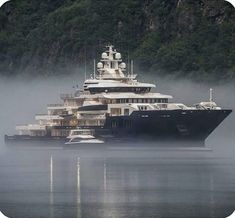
{"x":113,"y":104}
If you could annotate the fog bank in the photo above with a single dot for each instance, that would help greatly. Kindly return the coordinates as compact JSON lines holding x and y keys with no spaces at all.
{"x":22,"y":99}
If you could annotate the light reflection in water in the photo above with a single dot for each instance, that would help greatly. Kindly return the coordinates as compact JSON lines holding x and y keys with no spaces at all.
{"x":105,"y":185}
{"x":78,"y":189}
{"x":89,"y":184}
{"x":51,"y":189}
{"x":212,"y":197}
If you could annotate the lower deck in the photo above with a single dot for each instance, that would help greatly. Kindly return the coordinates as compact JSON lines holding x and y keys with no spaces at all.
{"x":176,"y":125}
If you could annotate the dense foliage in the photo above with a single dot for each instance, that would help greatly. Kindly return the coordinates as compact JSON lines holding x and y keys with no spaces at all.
{"x":179,"y":37}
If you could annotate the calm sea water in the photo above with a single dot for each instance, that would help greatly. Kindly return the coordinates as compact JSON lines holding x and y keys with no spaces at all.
{"x":51,"y":181}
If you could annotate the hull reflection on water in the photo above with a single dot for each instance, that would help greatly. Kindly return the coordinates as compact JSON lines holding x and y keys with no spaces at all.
{"x":115,"y":183}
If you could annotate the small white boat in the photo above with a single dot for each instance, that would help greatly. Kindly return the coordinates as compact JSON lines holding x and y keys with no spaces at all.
{"x":82,"y":136}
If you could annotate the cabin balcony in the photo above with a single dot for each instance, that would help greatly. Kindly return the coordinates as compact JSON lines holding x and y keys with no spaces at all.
{"x":48,"y":117}
{"x":91,"y":117}
{"x":66,"y":96}
{"x":30,"y":127}
{"x":32,"y":130}
{"x":91,"y":123}
{"x":55,"y":105}
{"x":60,"y":132}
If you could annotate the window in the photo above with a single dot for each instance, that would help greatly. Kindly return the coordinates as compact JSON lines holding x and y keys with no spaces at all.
{"x":143,"y":108}
{"x":115,"y":111}
{"x":114,"y":123}
{"x":127,"y":123}
{"x":126,"y":112}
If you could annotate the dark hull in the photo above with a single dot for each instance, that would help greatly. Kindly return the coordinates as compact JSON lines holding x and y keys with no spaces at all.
{"x":36,"y":138}
{"x":162,"y":126}
{"x":194,"y":125}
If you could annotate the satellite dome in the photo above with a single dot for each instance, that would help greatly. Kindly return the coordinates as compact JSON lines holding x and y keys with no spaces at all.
{"x":118,"y":56}
{"x":122,"y":65}
{"x":104,"y":55}
{"x":99,"y":65}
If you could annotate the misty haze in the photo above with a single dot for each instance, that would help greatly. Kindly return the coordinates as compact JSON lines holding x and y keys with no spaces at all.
{"x":82,"y":136}
{"x":49,"y":180}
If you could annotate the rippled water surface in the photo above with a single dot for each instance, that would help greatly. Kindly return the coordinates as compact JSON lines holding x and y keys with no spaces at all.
{"x":38,"y":180}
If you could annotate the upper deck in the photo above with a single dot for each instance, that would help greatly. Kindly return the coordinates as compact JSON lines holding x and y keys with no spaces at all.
{"x":111,"y":76}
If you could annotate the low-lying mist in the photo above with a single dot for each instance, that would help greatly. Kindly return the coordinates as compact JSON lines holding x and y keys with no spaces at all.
{"x":21,"y":99}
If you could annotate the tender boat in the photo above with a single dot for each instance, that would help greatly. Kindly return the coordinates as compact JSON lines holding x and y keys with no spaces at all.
{"x":82,"y":136}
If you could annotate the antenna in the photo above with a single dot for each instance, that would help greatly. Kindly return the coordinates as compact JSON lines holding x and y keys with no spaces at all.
{"x":85,"y":64}
{"x":211,"y":95}
{"x":128,"y":63}
{"x":132,"y":67}
{"x":94,"y":68}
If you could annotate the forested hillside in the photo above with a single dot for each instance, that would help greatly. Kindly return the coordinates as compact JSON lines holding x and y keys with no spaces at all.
{"x":187,"y":38}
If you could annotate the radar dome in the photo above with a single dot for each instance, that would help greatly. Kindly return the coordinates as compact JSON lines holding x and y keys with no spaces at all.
{"x":118,"y":56}
{"x":123,"y":65}
{"x":104,"y":55}
{"x":99,"y":65}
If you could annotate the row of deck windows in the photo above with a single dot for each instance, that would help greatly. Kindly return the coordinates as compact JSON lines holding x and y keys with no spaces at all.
{"x":120,"y":89}
{"x":121,"y":123}
{"x":119,"y":101}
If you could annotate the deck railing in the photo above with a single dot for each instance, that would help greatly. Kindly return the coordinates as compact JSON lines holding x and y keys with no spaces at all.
{"x":64,"y":96}
{"x":55,"y":105}
{"x":30,"y":127}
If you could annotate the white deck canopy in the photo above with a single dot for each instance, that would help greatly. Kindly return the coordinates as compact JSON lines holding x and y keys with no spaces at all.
{"x":48,"y":117}
{"x":133,"y":95}
{"x":111,"y":84}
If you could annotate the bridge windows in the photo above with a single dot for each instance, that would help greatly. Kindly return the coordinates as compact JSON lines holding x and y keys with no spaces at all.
{"x":139,"y":100}
{"x":94,"y":90}
{"x":143,"y":108}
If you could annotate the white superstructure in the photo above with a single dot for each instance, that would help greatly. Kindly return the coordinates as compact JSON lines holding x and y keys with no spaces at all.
{"x":112,"y":91}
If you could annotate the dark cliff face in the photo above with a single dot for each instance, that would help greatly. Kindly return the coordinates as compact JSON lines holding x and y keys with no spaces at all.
{"x":186,"y":36}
